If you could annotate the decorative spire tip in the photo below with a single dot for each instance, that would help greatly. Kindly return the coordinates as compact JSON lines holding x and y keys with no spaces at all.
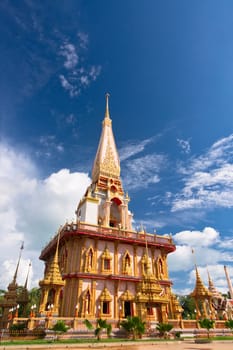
{"x":107,"y":108}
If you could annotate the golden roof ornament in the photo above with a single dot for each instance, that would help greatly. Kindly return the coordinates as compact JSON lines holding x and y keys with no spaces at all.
{"x":107,"y":162}
{"x":53,"y":275}
{"x":200,"y":290}
{"x":212,"y":288}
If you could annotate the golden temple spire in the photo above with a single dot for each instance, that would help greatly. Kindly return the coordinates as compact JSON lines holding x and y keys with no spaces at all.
{"x":200,"y":289}
{"x":107,"y":115}
{"x":26,"y":281}
{"x":107,"y":162}
{"x":53,"y":274}
{"x":212,"y":288}
{"x":17,"y":267}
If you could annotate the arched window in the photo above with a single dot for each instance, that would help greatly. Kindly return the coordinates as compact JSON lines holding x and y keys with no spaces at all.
{"x":126,"y":264}
{"x":106,"y":261}
{"x":88,"y":303}
{"x":105,"y":302}
{"x":89,"y":260}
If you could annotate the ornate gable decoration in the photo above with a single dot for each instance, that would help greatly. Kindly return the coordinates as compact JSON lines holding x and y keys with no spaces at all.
{"x":105,"y":295}
{"x":127,"y":295}
{"x":109,"y":167}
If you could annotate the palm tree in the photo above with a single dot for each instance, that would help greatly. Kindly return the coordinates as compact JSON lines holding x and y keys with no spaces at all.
{"x":229,"y":324}
{"x":88,"y":324}
{"x":164,"y":329}
{"x":102,"y":324}
{"x":134,"y":326}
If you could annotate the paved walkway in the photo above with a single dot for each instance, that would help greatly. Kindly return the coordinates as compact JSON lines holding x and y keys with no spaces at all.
{"x":178,"y":345}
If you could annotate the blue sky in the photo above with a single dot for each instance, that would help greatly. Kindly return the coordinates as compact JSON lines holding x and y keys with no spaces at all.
{"x":168,"y":67}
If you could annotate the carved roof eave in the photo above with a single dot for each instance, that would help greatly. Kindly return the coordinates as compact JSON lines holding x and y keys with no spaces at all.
{"x":127,"y":295}
{"x":145,"y":298}
{"x":52,"y":283}
{"x":105,"y":295}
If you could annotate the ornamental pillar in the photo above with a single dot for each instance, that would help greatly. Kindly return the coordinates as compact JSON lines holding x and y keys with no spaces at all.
{"x":107,"y":207}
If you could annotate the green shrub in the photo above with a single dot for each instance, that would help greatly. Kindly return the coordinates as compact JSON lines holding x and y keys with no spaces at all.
{"x":229,"y":324}
{"x":207,"y":324}
{"x":134,"y":326}
{"x":60,"y":326}
{"x":164,"y":329}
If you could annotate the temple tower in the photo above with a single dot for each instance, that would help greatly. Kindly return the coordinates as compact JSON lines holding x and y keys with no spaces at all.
{"x":51,"y":286}
{"x":105,"y":202}
{"x":102,"y":266}
{"x":203,"y":299}
{"x":9,"y":304}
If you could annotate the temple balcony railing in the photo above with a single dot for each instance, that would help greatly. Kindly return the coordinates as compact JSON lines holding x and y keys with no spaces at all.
{"x":140,"y":237}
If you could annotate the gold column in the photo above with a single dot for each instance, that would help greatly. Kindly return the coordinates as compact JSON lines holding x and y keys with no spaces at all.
{"x":135,"y":261}
{"x":116,"y":306}
{"x":93,"y":297}
{"x":96,"y":267}
{"x":153,"y":260}
{"x":80,"y":287}
{"x":56,"y":301}
{"x":107,"y":213}
{"x":44,"y":301}
{"x":116,"y":258}
{"x":82,"y":258}
{"x":123,"y":222}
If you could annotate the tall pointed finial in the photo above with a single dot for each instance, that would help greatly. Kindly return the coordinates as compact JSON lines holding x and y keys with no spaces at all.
{"x":26,"y":282}
{"x":17,"y":267}
{"x":209,"y":278}
{"x":58,"y":241}
{"x":107,"y":115}
{"x":194,"y":258}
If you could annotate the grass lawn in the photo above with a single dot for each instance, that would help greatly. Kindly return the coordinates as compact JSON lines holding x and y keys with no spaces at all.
{"x":95,"y":341}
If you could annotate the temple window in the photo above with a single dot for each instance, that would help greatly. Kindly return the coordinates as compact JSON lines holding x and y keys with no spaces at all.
{"x":105,"y":302}
{"x":150,"y":311}
{"x":126,"y":268}
{"x":106,"y":264}
{"x":89,"y":261}
{"x":88,"y":302}
{"x":161,"y":272}
{"x":143,"y":264}
{"x":105,"y":307}
{"x":106,"y":261}
{"x":90,"y":258}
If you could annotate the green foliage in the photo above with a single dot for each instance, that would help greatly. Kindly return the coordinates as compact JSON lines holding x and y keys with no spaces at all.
{"x":60,"y":326}
{"x":18,"y":326}
{"x":134,"y":326}
{"x":102,"y":324}
{"x":18,"y":329}
{"x":207,"y":324}
{"x":88,"y":324}
{"x":164,"y":329}
{"x":177,"y":334}
{"x":229,"y":324}
{"x":188,"y":305}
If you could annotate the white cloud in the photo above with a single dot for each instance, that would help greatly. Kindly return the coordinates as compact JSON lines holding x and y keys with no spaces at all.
{"x":208,"y":179}
{"x":133,"y":148}
{"x":184,"y":145}
{"x":71,"y":57}
{"x":73,"y":89}
{"x":32,"y":209}
{"x":202,"y":243}
{"x":94,"y":72}
{"x":50,"y":144}
{"x":140,"y":172}
{"x":84,"y":40}
{"x":205,"y":238}
{"x":77,"y":77}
